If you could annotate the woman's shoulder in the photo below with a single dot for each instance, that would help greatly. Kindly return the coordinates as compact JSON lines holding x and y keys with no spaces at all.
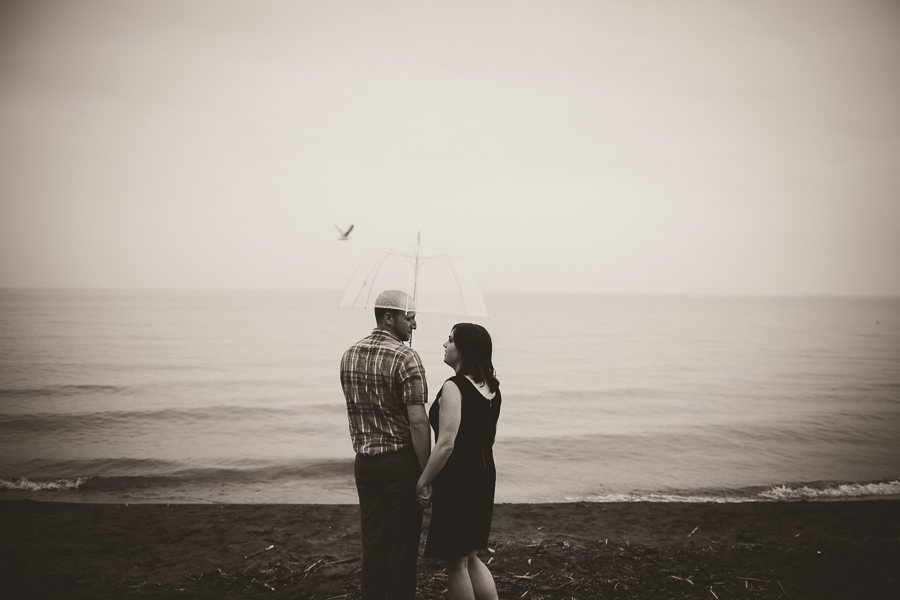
{"x":451,"y":385}
{"x":459,"y":386}
{"x":457,"y":381}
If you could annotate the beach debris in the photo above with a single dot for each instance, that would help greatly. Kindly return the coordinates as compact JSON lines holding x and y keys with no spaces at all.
{"x":312,"y":566}
{"x":259,"y":552}
{"x":342,"y":561}
{"x":557,"y":569}
{"x":693,"y":531}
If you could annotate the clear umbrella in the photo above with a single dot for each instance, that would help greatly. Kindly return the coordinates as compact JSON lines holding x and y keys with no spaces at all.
{"x":436,"y":281}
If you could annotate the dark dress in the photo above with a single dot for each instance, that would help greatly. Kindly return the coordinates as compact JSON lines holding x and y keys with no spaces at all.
{"x":462,"y":501}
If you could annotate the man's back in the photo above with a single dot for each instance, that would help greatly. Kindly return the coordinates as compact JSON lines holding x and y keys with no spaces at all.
{"x":380,"y":376}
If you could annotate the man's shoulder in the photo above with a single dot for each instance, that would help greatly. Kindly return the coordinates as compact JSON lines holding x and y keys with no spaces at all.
{"x":369,"y":340}
{"x":356,"y":350}
{"x":411,"y":359}
{"x":403,"y":353}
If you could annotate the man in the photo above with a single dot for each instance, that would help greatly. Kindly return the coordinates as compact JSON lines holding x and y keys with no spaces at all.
{"x":384,"y":385}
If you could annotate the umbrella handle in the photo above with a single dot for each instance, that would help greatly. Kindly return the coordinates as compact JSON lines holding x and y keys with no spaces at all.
{"x":416,"y":273}
{"x":416,"y":278}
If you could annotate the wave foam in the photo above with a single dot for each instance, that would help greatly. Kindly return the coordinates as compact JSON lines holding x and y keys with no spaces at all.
{"x":651,"y":498}
{"x":846,"y":490}
{"x":29,"y":485}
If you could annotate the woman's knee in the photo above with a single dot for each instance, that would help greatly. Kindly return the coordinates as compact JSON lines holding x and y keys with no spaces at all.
{"x":472,"y":560}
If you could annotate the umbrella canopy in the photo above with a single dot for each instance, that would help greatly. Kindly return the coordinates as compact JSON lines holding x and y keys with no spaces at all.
{"x":436,"y":281}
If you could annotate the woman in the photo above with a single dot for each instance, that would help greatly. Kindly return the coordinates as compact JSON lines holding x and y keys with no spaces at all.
{"x":459,"y":477}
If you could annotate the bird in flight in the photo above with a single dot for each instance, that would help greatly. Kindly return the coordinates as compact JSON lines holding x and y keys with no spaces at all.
{"x":345,"y":235}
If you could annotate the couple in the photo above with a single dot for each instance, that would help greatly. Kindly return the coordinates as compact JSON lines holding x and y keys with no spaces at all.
{"x":397,"y":473}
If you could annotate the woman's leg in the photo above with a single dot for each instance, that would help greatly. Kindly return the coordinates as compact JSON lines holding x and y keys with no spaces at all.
{"x":481,"y":578}
{"x":459,"y":586}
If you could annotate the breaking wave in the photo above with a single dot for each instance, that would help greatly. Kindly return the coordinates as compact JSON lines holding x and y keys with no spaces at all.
{"x":844,"y":490}
{"x":36,"y":485}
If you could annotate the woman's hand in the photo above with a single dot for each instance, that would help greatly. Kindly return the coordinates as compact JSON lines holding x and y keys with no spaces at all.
{"x":423,"y":493}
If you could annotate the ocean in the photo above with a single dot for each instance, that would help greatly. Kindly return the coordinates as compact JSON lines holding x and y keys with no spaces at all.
{"x":176,"y":396}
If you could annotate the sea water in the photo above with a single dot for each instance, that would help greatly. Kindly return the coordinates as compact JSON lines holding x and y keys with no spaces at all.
{"x":176,"y":396}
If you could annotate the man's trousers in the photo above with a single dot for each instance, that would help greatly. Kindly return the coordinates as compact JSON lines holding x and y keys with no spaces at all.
{"x":391,"y":523}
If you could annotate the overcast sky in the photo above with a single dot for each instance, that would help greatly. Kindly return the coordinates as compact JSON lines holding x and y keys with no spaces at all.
{"x":693,"y":146}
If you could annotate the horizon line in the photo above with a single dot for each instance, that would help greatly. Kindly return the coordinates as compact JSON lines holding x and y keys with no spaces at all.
{"x":520,"y":292}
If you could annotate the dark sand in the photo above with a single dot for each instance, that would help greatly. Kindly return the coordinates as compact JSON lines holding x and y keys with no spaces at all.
{"x":790,"y":550}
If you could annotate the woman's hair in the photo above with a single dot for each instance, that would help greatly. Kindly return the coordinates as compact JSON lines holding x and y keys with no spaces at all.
{"x":473,"y":342}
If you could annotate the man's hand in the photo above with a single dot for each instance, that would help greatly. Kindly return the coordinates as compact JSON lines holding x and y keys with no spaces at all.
{"x":423,"y":494}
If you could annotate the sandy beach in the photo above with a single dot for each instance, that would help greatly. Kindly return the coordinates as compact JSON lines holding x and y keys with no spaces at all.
{"x":579,"y":550}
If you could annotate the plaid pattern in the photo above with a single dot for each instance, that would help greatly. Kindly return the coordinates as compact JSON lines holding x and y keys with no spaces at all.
{"x":380,"y":376}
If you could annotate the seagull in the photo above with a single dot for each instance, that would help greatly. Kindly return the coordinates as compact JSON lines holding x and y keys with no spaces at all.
{"x":345,"y":235}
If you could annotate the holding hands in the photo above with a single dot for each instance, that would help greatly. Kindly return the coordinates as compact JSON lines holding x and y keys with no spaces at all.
{"x":423,"y":493}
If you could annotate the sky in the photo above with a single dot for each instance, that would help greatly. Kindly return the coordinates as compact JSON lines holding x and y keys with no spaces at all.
{"x":641,"y":147}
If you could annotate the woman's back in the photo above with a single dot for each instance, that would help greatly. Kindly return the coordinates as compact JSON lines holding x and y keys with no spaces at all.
{"x":477,"y":426}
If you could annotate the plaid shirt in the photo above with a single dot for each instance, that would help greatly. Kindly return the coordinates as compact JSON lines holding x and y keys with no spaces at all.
{"x":380,"y":376}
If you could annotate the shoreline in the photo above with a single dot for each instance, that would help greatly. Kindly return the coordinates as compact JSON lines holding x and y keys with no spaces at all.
{"x":158,"y":490}
{"x":792,"y":549}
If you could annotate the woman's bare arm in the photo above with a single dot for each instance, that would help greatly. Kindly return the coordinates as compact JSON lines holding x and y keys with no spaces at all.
{"x":451,"y":411}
